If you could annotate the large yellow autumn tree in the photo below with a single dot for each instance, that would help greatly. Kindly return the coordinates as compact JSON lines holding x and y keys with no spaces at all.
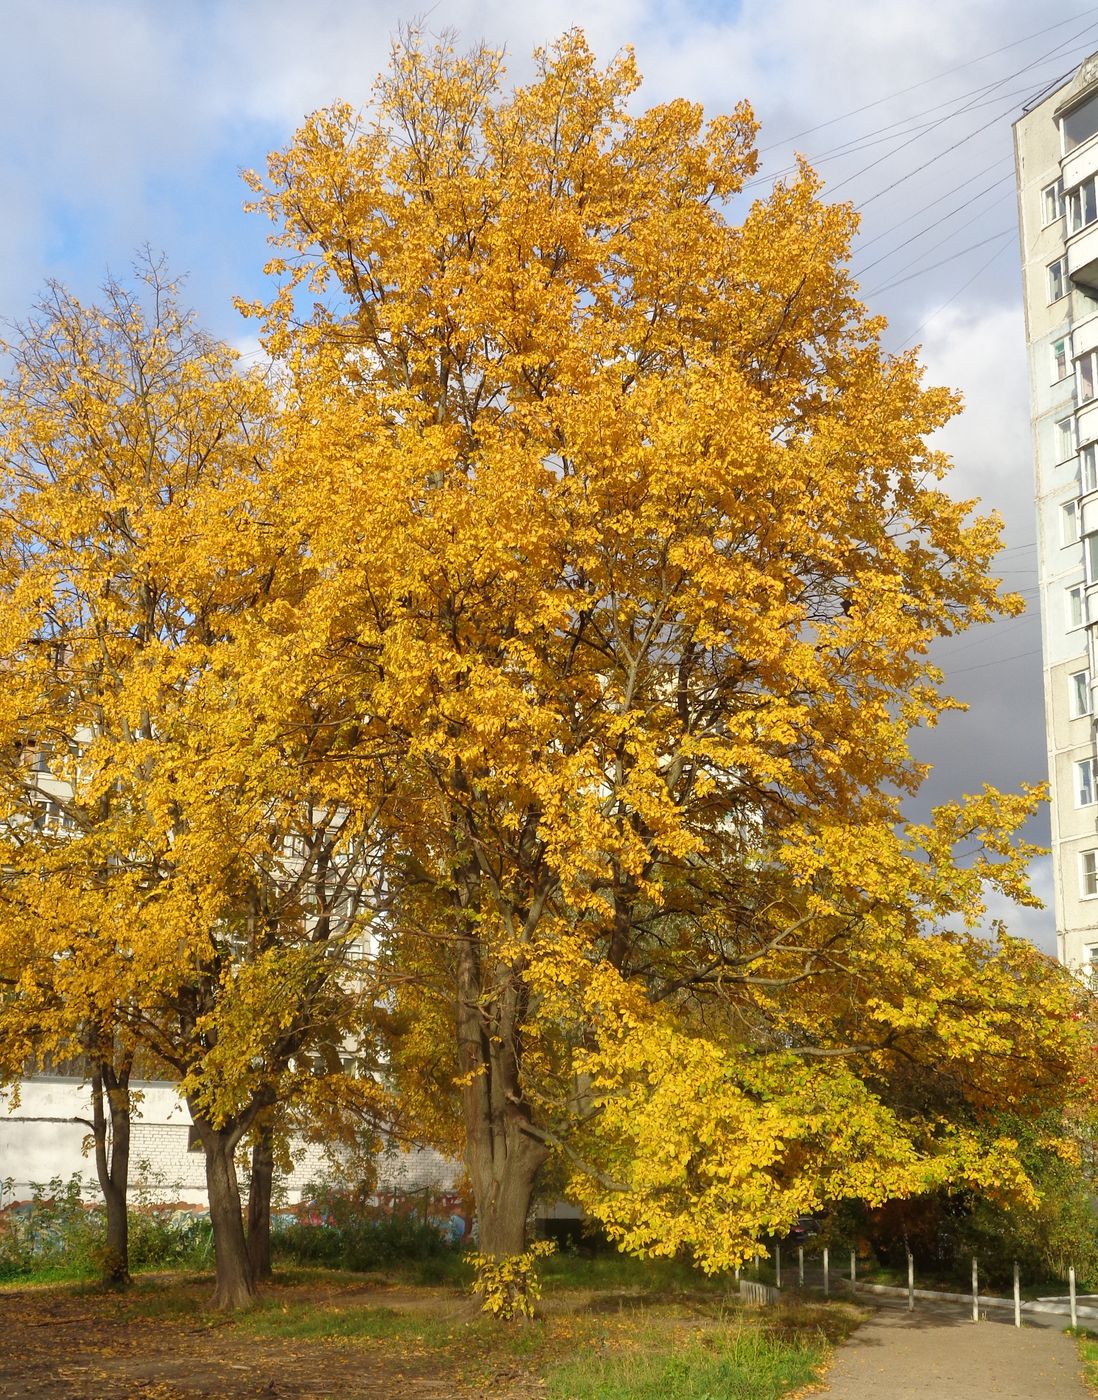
{"x":626,"y":547}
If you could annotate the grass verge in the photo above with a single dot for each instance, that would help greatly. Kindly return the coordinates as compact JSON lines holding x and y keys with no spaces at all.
{"x":1088,"y":1354}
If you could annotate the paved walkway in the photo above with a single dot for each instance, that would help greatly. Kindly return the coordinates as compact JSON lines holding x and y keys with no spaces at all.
{"x":941,"y":1354}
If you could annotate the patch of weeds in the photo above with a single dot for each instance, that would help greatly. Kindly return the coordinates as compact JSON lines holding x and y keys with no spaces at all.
{"x":741,"y":1364}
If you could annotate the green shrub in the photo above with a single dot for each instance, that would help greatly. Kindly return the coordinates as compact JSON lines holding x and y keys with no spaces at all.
{"x":54,"y":1232}
{"x":361,"y":1245}
{"x":162,"y":1239}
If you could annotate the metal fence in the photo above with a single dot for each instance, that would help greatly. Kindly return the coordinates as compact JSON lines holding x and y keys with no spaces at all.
{"x":828,"y":1275}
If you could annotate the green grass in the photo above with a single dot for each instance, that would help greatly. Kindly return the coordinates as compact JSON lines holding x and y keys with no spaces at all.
{"x":320,"y":1321}
{"x":1088,"y":1353}
{"x":740,"y":1365}
{"x":611,"y":1328}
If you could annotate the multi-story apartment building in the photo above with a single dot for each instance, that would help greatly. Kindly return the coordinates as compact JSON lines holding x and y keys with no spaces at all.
{"x":1056,"y":153}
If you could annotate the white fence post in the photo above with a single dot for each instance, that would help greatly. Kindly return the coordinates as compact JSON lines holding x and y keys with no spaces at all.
{"x":975,"y":1291}
{"x":825,"y":1272}
{"x":853,"y":1269}
{"x":778,"y":1265}
{"x":910,"y":1281}
{"x":1071,"y":1291}
{"x":800,"y":1265}
{"x":1017,"y":1297}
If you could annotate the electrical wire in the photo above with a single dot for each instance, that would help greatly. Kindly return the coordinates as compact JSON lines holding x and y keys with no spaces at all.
{"x":899,"y":281}
{"x":903,"y":223}
{"x":921,"y":233}
{"x":937,"y":77}
{"x":949,"y":116}
{"x":983,"y":665}
{"x":949,"y":302}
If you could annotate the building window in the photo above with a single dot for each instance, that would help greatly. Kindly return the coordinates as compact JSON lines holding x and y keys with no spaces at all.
{"x":1059,"y":360}
{"x":1082,"y":205}
{"x":1069,"y":523}
{"x":1075,"y":606}
{"x":1079,"y":684}
{"x":1057,"y":280}
{"x":1085,"y":784}
{"x":1052,"y":202}
{"x":1065,"y":438}
{"x":1088,"y":469}
{"x":1088,"y":880}
{"x":1080,"y":124}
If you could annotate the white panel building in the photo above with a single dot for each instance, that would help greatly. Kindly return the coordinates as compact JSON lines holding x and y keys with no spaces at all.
{"x":1056,"y":155}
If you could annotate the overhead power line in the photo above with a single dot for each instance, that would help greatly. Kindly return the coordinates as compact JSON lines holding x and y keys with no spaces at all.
{"x":983,"y":665}
{"x":903,"y":223}
{"x":998,"y":252}
{"x":899,"y":281}
{"x":949,"y":117}
{"x":924,"y":82}
{"x":927,"y":228}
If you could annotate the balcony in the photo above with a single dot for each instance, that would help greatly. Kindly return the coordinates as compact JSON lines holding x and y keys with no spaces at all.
{"x":1088,"y":513}
{"x":1086,"y":423}
{"x":1082,"y":257}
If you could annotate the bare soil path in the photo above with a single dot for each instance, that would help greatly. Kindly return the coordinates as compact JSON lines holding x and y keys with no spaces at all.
{"x":941,"y":1354}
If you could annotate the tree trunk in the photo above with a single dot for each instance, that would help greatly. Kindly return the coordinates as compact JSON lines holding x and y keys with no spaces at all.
{"x":111,"y":1096}
{"x":503,"y":1152}
{"x":234,"y":1288}
{"x":259,"y":1206}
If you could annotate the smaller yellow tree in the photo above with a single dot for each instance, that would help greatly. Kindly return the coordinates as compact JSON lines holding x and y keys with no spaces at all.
{"x":188,"y":892}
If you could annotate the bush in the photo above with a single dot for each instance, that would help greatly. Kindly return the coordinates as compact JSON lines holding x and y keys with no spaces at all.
{"x":361,"y":1245}
{"x":161,"y":1239}
{"x":54,"y":1231}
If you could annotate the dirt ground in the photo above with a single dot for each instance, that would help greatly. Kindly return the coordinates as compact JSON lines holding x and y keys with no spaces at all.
{"x":55,"y":1346}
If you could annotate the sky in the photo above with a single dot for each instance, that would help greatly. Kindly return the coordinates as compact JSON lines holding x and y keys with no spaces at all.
{"x":128,"y":123}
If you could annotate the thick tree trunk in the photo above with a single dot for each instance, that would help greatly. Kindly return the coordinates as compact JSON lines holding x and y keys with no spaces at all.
{"x":504,"y":1152}
{"x":111,"y":1099}
{"x":234,"y":1288}
{"x":259,"y":1206}
{"x":503,"y":1190}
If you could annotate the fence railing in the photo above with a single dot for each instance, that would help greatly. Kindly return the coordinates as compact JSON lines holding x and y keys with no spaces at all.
{"x":752,"y":1289}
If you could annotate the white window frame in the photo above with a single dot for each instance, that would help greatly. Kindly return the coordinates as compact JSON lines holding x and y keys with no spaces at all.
{"x":1086,"y":781}
{"x":1057,"y":280}
{"x":1079,"y":694}
{"x":1088,"y":468}
{"x":1088,"y":881}
{"x":1065,"y":438}
{"x":1052,"y":203}
{"x":1074,"y":599}
{"x":1061,"y":359}
{"x":1069,"y":524}
{"x":1082,"y":205}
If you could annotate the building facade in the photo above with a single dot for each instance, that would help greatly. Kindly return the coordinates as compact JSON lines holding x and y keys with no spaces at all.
{"x":1056,"y":156}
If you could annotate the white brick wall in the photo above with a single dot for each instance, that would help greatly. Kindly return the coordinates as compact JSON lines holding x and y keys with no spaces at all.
{"x":39,"y":1140}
